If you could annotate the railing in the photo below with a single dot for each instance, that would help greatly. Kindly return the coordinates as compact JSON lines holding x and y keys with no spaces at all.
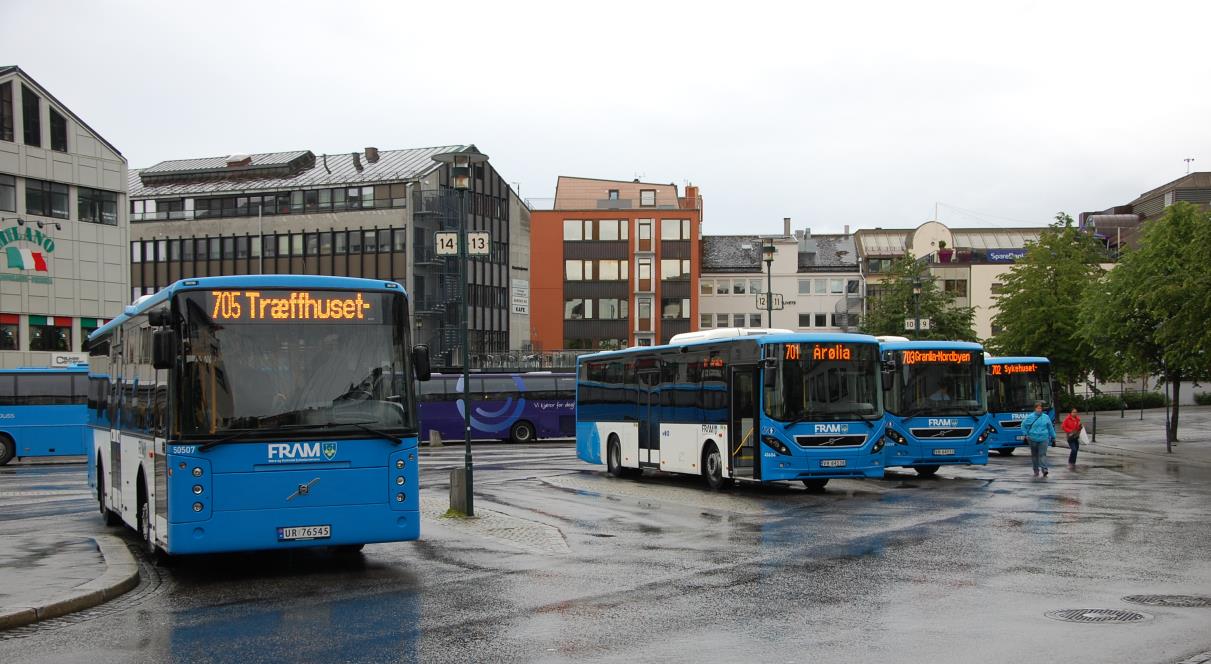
{"x":442,"y":202}
{"x":662,"y":203}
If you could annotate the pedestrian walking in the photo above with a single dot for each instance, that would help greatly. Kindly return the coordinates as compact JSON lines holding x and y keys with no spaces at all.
{"x":1039,"y":432}
{"x":1072,"y":428}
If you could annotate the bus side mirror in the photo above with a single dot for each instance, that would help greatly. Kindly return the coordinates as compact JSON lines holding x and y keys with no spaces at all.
{"x":163,"y":348}
{"x":888,"y":374}
{"x":420,"y":362}
{"x":158,"y":317}
{"x":770,"y":363}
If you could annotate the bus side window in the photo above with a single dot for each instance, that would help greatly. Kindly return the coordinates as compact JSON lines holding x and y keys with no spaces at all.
{"x":8,"y":390}
{"x":79,"y":388}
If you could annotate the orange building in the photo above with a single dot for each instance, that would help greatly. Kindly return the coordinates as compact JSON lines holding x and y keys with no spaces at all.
{"x":613,"y":264}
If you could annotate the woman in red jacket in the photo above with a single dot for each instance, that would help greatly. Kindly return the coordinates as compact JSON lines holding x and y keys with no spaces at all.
{"x":1072,"y":427}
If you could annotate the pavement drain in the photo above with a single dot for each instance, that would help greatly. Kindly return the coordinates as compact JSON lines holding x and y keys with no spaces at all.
{"x":1180,"y":601}
{"x":1102,"y":616}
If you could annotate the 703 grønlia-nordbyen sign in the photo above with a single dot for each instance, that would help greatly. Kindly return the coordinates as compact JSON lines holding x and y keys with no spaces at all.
{"x":28,"y":250}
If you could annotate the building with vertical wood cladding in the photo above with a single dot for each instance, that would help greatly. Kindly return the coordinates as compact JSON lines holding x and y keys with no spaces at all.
{"x":614,"y":263}
{"x":371,"y":213}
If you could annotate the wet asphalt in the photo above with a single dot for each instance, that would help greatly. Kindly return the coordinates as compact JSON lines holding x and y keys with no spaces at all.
{"x":958,"y":568}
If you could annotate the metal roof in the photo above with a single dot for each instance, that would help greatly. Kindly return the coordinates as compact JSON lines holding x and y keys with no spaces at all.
{"x":880,"y":242}
{"x":836,"y":251}
{"x":731,"y":253}
{"x":392,"y":166}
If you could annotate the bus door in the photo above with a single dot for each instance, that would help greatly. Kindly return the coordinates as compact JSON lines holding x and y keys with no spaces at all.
{"x":649,"y":415}
{"x":742,"y":432}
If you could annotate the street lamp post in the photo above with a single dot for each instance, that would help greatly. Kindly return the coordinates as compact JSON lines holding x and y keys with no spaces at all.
{"x":916,"y":306}
{"x":767,"y":254}
{"x":460,"y":164}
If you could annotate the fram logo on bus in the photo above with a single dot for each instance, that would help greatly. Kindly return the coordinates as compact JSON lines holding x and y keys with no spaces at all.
{"x":300,"y":452}
{"x":832,"y":428}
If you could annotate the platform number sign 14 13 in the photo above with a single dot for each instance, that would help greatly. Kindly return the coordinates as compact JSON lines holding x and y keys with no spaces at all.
{"x":446,"y":244}
{"x":479,"y":243}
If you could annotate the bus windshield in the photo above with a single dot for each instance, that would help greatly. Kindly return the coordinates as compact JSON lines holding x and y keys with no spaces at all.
{"x":937,"y":382}
{"x":1013,"y":388}
{"x":269,"y":360}
{"x":822,"y":381}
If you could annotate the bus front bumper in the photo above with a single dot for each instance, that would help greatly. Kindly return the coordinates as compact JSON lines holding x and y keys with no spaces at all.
{"x":940,"y":454}
{"x":259,"y":530}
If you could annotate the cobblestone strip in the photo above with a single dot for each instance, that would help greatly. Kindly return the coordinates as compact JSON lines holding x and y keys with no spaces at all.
{"x":40,"y":494}
{"x":523,"y":533}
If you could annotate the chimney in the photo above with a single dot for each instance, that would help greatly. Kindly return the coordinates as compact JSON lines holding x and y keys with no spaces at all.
{"x":372,"y":155}
{"x":847,"y":229}
{"x":786,"y":226}
{"x":691,"y":196}
{"x":238,"y":160}
{"x":357,"y":161}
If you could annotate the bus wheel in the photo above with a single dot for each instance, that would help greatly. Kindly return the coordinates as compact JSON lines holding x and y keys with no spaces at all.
{"x":107,"y":515}
{"x":815,"y":486}
{"x":926,"y":471}
{"x":522,"y":432}
{"x":614,"y":458}
{"x":1006,"y":451}
{"x":149,"y":545}
{"x":7,"y":450}
{"x":712,"y":468}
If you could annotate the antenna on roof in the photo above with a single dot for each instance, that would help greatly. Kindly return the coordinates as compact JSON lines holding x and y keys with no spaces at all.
{"x":1188,"y":160}
{"x":326,"y":169}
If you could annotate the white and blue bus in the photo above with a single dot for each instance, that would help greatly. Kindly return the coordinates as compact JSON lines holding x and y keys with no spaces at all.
{"x":1014,"y":385}
{"x":258,"y":412}
{"x":734,"y":404}
{"x":936,"y":405}
{"x":43,"y":412}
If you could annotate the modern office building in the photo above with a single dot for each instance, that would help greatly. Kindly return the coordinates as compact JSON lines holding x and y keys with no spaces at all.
{"x":613,"y":263}
{"x":1120,"y":226}
{"x":371,"y":213}
{"x":969,"y":262}
{"x":62,"y":227}
{"x":816,"y":275}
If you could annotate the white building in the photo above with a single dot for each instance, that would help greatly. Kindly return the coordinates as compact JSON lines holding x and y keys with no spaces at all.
{"x":63,"y":230}
{"x":816,"y":275}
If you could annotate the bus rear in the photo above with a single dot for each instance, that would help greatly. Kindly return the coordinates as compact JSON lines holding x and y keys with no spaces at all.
{"x":936,"y":405}
{"x":277,"y":421}
{"x":1014,"y":385}
{"x":43,"y":412}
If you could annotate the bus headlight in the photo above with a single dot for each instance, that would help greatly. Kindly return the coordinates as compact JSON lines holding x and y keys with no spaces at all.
{"x":778,"y":445}
{"x":987,"y":432}
{"x":400,"y":480}
{"x":878,"y":446}
{"x":197,"y":507}
{"x":399,"y":463}
{"x":197,"y":472}
{"x":197,"y":489}
{"x":399,"y":497}
{"x":896,"y":437}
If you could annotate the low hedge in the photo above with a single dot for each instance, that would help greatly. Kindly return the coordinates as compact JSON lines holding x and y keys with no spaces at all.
{"x":1128,"y":400}
{"x":1202,"y":398}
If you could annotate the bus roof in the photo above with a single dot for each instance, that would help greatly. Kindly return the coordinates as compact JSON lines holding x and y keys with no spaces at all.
{"x":243,"y":281}
{"x":75,"y":368}
{"x":1016,"y":360}
{"x":763,"y":339}
{"x":932,"y":345}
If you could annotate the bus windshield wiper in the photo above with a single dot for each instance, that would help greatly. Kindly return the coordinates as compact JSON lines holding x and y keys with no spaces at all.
{"x":869,"y":422}
{"x":334,"y":423}
{"x":235,"y":435}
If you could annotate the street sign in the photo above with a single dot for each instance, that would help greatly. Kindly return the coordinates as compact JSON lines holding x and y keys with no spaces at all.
{"x":447,"y":243}
{"x":911,"y":324}
{"x":762,"y":304}
{"x":479,"y":243}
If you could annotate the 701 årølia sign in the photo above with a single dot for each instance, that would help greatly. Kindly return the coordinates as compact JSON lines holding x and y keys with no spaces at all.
{"x":26,"y":249}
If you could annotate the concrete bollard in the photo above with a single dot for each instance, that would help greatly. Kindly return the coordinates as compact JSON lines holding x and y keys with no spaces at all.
{"x":435,"y":438}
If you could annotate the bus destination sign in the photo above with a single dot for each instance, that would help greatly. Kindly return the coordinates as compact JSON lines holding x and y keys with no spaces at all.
{"x":1009,"y":369}
{"x":291,"y":306}
{"x":820,"y":352}
{"x":936,"y":357}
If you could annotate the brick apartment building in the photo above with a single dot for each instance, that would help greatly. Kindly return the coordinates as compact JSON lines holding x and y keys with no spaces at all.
{"x":614,"y":263}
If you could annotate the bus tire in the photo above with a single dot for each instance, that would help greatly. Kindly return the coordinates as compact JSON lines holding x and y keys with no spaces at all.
{"x":8,"y":449}
{"x":712,"y":468}
{"x":522,"y":432}
{"x":614,"y":458}
{"x":926,"y":471}
{"x":1006,"y":451}
{"x":107,"y":515}
{"x":153,"y":552}
{"x":816,"y":485}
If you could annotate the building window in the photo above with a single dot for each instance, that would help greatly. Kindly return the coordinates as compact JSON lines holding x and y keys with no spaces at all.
{"x":574,"y":230}
{"x":706,"y":288}
{"x":162,"y":250}
{"x":821,"y":286}
{"x":49,"y":333}
{"x":838,"y":320}
{"x":821,"y":320}
{"x":612,"y":229}
{"x":645,"y":229}
{"x":737,"y":320}
{"x":647,"y":198}
{"x":997,"y":288}
{"x":228,"y":248}
{"x":612,"y":194}
{"x":878,"y":265}
{"x":997,"y":329}
{"x":216,"y":248}
{"x":200,"y":245}
{"x":47,"y":199}
{"x":611,"y":270}
{"x":853,"y":287}
{"x":368,"y":244}
{"x":399,"y":238}
{"x":58,"y":131}
{"x":254,"y":246}
{"x":340,"y":243}
{"x":675,"y":268}
{"x":8,"y":193}
{"x":10,"y":326}
{"x":724,"y":287}
{"x":875,"y":291}
{"x":645,"y":314}
{"x":241,"y":247}
{"x":7,"y":124}
{"x":96,"y":206}
{"x":706,"y":320}
{"x":805,"y":320}
{"x":739,"y":285}
{"x":674,"y":229}
{"x":574,"y":270}
{"x":612,"y":309}
{"x":724,"y":320}
{"x":957,"y":287}
{"x":31,"y":117}
{"x":805,"y":286}
{"x":136,"y":252}
{"x":296,"y":244}
{"x":675,"y":307}
{"x":577,"y":309}
{"x":754,"y":320}
{"x":756,"y":286}
{"x":836,"y":286}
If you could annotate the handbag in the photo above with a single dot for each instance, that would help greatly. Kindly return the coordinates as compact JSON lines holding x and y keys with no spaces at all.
{"x":1084,"y":437}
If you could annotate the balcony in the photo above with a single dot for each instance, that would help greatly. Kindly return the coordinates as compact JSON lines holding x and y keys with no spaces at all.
{"x":589,"y":203}
{"x":427,"y":256}
{"x":441,"y":202}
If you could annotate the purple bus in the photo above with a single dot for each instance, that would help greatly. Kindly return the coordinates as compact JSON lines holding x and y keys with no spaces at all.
{"x":520,"y":407}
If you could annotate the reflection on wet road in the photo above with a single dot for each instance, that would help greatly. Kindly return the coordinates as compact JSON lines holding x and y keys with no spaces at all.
{"x":960,"y":567}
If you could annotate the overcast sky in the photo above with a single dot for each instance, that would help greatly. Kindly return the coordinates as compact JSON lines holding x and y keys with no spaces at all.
{"x":862,"y":113}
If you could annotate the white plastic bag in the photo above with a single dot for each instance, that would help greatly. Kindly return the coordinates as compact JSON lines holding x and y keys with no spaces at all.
{"x":1084,"y":437}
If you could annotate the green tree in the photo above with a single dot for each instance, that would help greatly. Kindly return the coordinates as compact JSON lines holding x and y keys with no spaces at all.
{"x":1150,"y":313}
{"x":1040,"y":301}
{"x":887,"y":312}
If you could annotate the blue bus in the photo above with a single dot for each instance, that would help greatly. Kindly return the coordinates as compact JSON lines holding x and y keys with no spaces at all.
{"x":519,"y":407}
{"x":258,"y":412}
{"x":936,"y":404}
{"x":1014,"y":385}
{"x":43,"y":412}
{"x":730,"y":404}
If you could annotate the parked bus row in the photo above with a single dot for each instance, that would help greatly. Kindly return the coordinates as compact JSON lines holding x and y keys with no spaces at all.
{"x":773,"y":405}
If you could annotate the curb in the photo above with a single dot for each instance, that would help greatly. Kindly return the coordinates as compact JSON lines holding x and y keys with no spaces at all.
{"x":1106,"y":450}
{"x":121,"y":575}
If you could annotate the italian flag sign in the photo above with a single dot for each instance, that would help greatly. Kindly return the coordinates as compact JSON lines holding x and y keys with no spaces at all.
{"x":24,"y":259}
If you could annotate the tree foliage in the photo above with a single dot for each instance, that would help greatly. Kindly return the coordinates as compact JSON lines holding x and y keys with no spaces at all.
{"x":1151,"y":312}
{"x":886,"y":313}
{"x":1040,"y":302}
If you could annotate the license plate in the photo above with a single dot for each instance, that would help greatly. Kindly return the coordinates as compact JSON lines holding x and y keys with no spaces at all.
{"x":294,"y":533}
{"x":1019,"y":437}
{"x":945,"y":452}
{"x":832,"y":463}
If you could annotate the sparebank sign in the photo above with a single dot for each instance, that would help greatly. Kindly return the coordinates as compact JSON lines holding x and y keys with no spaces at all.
{"x":27,"y":251}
